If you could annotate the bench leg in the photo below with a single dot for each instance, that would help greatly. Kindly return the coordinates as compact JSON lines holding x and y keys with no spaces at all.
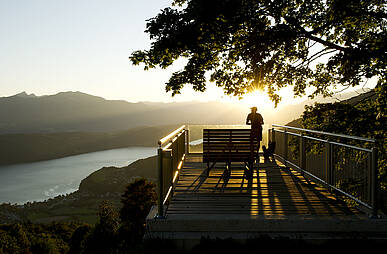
{"x":248,"y":169}
{"x":227,"y":172}
{"x":210,"y":167}
{"x":228,"y":168}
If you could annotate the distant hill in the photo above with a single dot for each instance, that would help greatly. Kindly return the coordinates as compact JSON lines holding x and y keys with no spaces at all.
{"x":30,"y":147}
{"x":67,"y":111}
{"x":356,"y":98}
{"x":107,"y":183}
{"x":360,"y":97}
{"x":115,"y":179}
{"x":75,"y":111}
{"x":80,"y":112}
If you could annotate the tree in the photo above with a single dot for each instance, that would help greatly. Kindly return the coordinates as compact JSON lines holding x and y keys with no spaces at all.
{"x":103,"y":238}
{"x":78,"y":239}
{"x":137,"y":200}
{"x":245,"y":45}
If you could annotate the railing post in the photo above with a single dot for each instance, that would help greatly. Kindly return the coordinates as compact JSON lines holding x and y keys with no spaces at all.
{"x":328,"y":162}
{"x":182,"y":143}
{"x":286,"y":147}
{"x":167,"y":172}
{"x":268,"y":136}
{"x":172,"y":166}
{"x":161,"y":187}
{"x":374,"y":181}
{"x":175,"y":154}
{"x":302,"y":152}
{"x":186,"y":141}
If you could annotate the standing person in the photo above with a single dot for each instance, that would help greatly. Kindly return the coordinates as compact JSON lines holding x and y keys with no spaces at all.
{"x":256,"y":121}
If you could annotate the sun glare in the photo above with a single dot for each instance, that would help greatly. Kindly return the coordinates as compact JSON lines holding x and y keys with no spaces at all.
{"x":261,"y":100}
{"x":258,"y":99}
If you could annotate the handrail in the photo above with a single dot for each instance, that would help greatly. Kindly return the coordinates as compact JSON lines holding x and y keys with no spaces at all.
{"x":170,"y":135}
{"x":326,"y":133}
{"x":325,"y":140}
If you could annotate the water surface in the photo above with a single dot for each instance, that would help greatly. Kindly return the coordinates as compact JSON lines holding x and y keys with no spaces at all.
{"x":42,"y":180}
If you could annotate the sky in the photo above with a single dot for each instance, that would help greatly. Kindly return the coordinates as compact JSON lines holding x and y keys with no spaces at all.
{"x":51,"y":46}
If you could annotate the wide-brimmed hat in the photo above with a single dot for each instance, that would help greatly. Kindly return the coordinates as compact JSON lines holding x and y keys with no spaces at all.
{"x":254,"y":108}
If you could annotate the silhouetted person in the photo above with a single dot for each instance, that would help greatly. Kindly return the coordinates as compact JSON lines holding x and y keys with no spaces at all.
{"x":256,"y":121}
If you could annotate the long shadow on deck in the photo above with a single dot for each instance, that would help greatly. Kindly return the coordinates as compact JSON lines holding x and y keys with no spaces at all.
{"x":290,"y":193}
{"x":272,"y":190}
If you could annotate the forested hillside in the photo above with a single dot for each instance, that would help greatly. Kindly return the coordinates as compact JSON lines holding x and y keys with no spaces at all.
{"x":21,"y":148}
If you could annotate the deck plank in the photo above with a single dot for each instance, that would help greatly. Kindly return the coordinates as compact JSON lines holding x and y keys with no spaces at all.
{"x":273,"y":190}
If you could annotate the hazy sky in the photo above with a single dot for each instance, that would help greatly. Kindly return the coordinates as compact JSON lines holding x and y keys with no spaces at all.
{"x":50,"y":46}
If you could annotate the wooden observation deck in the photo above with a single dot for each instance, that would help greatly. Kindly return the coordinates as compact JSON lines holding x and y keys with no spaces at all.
{"x":275,"y":200}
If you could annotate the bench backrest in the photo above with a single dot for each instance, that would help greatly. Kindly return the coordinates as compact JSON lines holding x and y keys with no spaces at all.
{"x":223,"y":145}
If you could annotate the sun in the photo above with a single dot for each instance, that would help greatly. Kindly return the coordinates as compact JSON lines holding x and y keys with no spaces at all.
{"x":258,"y":99}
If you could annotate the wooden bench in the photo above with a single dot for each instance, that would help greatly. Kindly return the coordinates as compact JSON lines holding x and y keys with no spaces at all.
{"x":228,"y":145}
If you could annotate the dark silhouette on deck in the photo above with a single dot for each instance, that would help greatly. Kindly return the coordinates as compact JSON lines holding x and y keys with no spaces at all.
{"x":269,"y":151}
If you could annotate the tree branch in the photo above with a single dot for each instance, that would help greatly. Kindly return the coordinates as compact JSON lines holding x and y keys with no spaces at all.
{"x":323,"y":42}
{"x":315,"y":56}
{"x":312,"y":37}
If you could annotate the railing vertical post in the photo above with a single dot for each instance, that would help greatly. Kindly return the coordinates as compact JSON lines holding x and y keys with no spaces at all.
{"x":286,"y":147}
{"x":183,"y":146}
{"x":175,"y":153}
{"x":174,"y":158}
{"x":268,"y":136}
{"x":302,"y":152}
{"x":272,"y":135}
{"x":161,"y":180}
{"x":374,"y":181}
{"x":187,"y":141}
{"x":328,"y":162}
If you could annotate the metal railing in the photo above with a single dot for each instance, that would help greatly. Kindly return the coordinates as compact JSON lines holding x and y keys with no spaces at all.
{"x":337,"y":161}
{"x":171,"y":154}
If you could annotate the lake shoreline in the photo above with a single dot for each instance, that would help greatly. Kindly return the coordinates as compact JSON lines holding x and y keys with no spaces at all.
{"x":71,"y":155}
{"x":39,"y":181}
{"x":35,"y":147}
{"x":104,"y":184}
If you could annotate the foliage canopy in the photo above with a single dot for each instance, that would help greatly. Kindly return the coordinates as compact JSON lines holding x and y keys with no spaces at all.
{"x":244,"y":45}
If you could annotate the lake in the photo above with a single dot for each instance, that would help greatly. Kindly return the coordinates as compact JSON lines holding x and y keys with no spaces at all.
{"x":42,"y":180}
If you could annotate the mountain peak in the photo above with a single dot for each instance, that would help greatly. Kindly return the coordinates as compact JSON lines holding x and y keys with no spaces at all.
{"x":77,"y":94}
{"x":24,"y":95}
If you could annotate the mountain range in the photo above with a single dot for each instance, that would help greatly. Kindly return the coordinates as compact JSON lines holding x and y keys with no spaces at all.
{"x":75,"y":111}
{"x":35,"y":128}
{"x":80,"y":112}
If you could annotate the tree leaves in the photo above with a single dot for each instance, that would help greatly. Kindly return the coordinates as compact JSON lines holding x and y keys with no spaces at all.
{"x":244,"y":45}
